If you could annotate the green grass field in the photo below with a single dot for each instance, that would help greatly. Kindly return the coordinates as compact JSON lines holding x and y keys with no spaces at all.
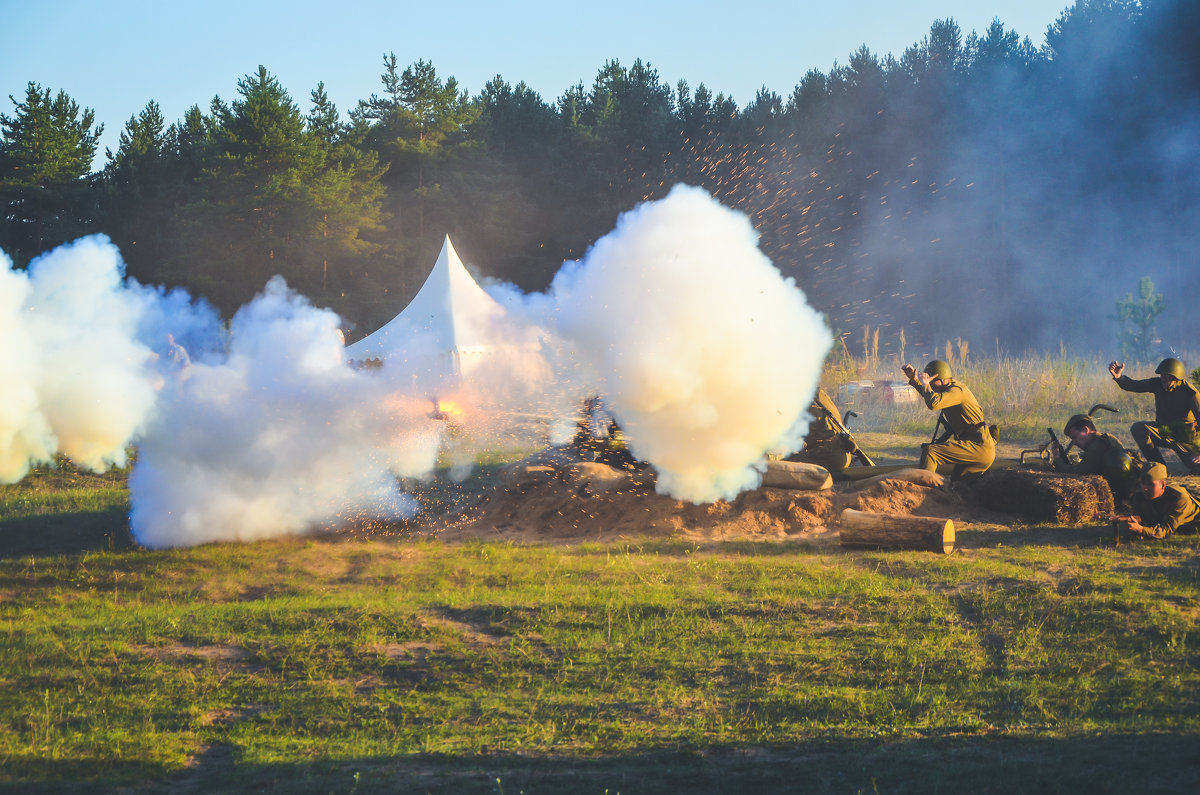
{"x":1033,"y":659}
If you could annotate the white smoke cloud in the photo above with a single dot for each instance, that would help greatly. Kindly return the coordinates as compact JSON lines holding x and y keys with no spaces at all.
{"x":25,"y":433}
{"x":708,"y":357}
{"x":281,"y":437}
{"x":75,"y":375}
{"x":273,"y":434}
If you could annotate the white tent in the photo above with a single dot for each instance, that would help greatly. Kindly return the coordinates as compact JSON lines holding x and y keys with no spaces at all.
{"x":448,"y":330}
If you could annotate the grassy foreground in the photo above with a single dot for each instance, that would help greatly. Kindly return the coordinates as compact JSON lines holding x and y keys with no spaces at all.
{"x":1033,"y":659}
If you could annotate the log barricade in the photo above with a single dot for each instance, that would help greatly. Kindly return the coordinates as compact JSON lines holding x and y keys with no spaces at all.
{"x":862,"y":530}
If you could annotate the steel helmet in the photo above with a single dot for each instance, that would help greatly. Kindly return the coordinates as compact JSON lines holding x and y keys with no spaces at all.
{"x":1079,"y":419}
{"x":940,"y":369}
{"x":1172,"y":367}
{"x":1118,"y":463}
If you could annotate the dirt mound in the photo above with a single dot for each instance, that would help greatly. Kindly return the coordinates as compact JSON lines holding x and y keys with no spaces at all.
{"x":902,"y":497}
{"x":556,"y":499}
{"x":594,"y":503}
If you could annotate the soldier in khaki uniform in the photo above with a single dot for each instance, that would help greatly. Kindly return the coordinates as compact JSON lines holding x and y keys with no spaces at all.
{"x":1176,"y":411}
{"x":1160,"y":509}
{"x":968,"y":443}
{"x":1103,"y":454}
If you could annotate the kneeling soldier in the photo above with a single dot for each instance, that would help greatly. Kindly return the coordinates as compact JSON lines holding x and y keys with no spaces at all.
{"x":1176,"y":412}
{"x":973,"y":447}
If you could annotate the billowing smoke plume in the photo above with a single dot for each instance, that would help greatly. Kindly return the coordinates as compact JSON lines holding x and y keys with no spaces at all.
{"x":267,"y":432}
{"x":281,"y":437}
{"x":707,"y":356}
{"x":78,"y":369}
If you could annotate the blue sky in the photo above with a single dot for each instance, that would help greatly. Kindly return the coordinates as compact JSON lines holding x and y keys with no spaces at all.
{"x":114,"y":57}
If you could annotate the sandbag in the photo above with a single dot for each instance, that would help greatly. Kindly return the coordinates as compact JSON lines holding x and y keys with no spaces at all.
{"x":595,"y":477}
{"x":797,"y":475}
{"x":921,"y":477}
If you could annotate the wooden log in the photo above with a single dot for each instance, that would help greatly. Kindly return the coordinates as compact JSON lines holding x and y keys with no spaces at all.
{"x":864,"y":530}
{"x":797,"y":475}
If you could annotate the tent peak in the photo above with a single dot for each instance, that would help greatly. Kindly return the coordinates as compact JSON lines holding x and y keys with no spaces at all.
{"x":450,"y":311}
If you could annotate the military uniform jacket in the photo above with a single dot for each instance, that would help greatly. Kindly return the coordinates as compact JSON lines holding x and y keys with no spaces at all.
{"x":960,"y":409}
{"x":1163,"y":516}
{"x":1093,"y":459}
{"x":1178,"y":404}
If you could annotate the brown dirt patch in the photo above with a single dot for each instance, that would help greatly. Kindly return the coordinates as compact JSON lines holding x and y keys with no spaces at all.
{"x":539,"y":502}
{"x":227,"y":716}
{"x":900,"y":497}
{"x":180,"y":651}
{"x":415,"y":650}
{"x":554,"y":497}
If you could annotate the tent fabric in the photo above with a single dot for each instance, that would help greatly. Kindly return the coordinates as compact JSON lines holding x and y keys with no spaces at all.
{"x":450,"y":315}
{"x":452,"y":331}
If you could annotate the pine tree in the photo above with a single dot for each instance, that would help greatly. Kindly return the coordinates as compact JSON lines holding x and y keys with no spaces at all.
{"x":277,"y":193}
{"x":1136,"y":318}
{"x":416,"y":127}
{"x":323,"y":121}
{"x":345,"y":193}
{"x":46,"y":152}
{"x":141,"y":184}
{"x":245,"y":211}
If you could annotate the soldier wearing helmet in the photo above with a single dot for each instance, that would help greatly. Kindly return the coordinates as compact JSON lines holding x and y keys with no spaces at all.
{"x":1176,"y":412}
{"x":968,"y":443}
{"x":1102,"y":455}
{"x":1159,"y":508}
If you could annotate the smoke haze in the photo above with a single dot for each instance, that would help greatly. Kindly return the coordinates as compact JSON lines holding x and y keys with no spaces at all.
{"x":1050,"y":192}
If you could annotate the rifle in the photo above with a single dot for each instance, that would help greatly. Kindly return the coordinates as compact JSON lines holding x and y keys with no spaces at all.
{"x":848,"y":438}
{"x":1056,"y":445}
{"x":1117,"y":523}
{"x":941,"y":422}
{"x":857,"y":452}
